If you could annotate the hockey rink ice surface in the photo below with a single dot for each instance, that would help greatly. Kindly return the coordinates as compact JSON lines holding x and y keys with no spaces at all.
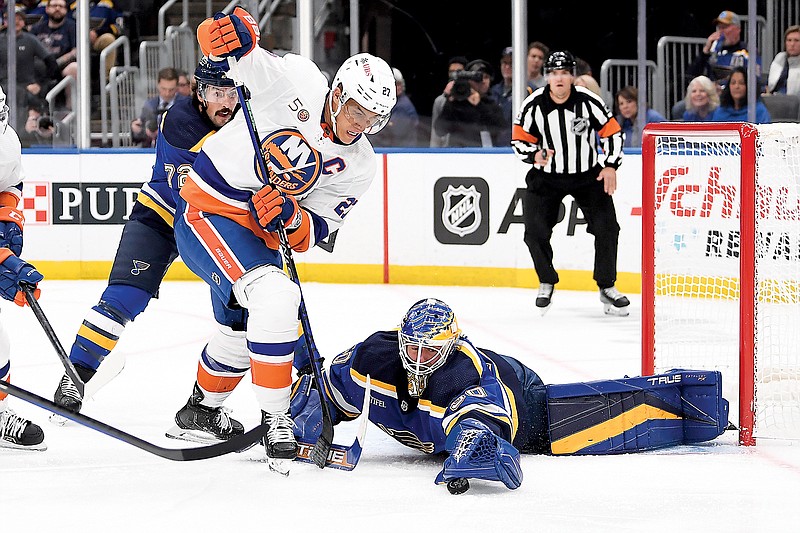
{"x":89,"y":482}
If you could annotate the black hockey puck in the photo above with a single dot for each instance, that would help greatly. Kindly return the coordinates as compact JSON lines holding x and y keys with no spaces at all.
{"x":459,"y":485}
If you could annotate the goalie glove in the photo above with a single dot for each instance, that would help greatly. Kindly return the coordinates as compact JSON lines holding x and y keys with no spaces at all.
{"x":14,"y":273}
{"x":234,"y":35}
{"x":11,"y":222}
{"x":476,"y":452}
{"x":306,"y":410}
{"x":268,"y":205}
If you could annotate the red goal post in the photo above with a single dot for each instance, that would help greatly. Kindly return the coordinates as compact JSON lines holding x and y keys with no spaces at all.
{"x":721,"y":264}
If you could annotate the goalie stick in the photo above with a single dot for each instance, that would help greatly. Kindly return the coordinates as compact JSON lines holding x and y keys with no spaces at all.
{"x":343,"y":457}
{"x":240,"y":442}
{"x":321,"y":449}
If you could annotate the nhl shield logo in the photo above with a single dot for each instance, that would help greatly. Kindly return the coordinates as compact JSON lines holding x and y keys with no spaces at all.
{"x":461,"y":213}
{"x":461,"y":210}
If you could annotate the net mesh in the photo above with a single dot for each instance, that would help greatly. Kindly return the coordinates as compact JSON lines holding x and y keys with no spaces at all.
{"x":696,"y":267}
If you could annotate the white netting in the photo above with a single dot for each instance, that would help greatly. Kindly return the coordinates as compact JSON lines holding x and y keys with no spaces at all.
{"x":696,"y":267}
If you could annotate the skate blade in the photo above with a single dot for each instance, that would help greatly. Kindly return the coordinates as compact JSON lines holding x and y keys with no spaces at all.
{"x":58,"y":420}
{"x":543,"y":310}
{"x":34,"y":448}
{"x":191,"y":435}
{"x":610,"y":310}
{"x":279,"y":466}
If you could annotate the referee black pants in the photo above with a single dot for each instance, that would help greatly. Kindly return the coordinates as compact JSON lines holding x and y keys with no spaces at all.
{"x":541,"y":203}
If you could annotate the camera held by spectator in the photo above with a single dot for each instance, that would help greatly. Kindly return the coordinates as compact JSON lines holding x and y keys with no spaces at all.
{"x":461,"y":88}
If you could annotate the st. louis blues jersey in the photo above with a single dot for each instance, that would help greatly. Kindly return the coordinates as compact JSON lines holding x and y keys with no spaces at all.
{"x":288,"y":95}
{"x":182,"y":133}
{"x":473,"y":383}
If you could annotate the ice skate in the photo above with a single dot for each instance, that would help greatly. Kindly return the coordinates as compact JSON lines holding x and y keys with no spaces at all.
{"x":545,"y":297}
{"x":279,"y":442}
{"x":19,"y":433}
{"x":614,"y":302}
{"x":198,"y":423}
{"x":68,"y":396}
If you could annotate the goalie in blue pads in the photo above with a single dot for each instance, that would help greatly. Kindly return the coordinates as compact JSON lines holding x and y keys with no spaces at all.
{"x":433,"y":390}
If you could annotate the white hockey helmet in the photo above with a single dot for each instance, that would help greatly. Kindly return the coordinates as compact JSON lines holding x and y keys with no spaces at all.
{"x":368,"y":80}
{"x":3,"y":111}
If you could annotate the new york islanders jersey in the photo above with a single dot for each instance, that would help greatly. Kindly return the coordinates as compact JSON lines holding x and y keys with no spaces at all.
{"x":181,"y":135}
{"x":11,"y":174}
{"x":473,"y":383}
{"x":288,"y":95}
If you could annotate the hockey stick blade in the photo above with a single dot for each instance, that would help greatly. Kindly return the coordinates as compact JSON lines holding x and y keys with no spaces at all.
{"x":341,"y":457}
{"x":237,"y":443}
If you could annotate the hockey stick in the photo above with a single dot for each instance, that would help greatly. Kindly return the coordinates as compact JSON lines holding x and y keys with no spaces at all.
{"x":319,"y":453}
{"x":240,"y":442}
{"x":51,"y":334}
{"x":343,"y":457}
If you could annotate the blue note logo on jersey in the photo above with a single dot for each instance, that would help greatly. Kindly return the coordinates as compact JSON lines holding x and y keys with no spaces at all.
{"x":295,"y":165}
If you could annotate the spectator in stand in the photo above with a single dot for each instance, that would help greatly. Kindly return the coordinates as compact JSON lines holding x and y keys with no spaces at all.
{"x":627,"y":100}
{"x":701,"y":100}
{"x":401,"y":130}
{"x":733,"y":101}
{"x":107,"y":30}
{"x":537,"y":52}
{"x":184,"y":83}
{"x":34,"y":7}
{"x":470,"y":116}
{"x":582,"y":67}
{"x":57,"y":33}
{"x":30,"y":89}
{"x":719,"y":55}
{"x":455,"y":65}
{"x":144,"y":130}
{"x":501,"y":92}
{"x":586,"y":80}
{"x":784,"y":72}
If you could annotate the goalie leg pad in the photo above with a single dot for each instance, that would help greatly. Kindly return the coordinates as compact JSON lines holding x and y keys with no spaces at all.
{"x":636,"y":414}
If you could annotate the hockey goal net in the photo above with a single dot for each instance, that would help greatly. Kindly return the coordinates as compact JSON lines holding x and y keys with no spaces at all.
{"x":721,"y":264}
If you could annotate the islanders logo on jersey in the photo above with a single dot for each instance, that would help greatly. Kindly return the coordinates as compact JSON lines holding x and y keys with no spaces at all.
{"x":295,"y":165}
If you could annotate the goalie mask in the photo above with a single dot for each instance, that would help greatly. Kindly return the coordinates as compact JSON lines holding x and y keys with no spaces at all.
{"x":3,"y":112}
{"x":368,"y":81}
{"x":428,"y":335}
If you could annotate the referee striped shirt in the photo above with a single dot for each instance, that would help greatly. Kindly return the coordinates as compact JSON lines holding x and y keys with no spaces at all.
{"x":573,"y":130}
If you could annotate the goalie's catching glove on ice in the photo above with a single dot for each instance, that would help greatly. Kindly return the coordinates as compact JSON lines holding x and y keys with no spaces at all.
{"x":11,"y":221}
{"x":269,"y":205}
{"x":476,"y":452}
{"x":234,"y":35}
{"x":14,"y":272}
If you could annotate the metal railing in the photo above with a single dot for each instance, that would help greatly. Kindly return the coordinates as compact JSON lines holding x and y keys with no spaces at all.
{"x":122,"y":87}
{"x":181,"y":45}
{"x":617,"y":73}
{"x":674,"y":56}
{"x":162,"y":17}
{"x":64,"y":126}
{"x":124,"y":42}
{"x":152,"y":54}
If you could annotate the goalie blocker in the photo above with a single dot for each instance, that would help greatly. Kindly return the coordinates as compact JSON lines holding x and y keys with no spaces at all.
{"x":636,"y":414}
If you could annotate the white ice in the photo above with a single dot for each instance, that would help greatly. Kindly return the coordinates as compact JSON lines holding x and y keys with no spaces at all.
{"x":89,"y":482}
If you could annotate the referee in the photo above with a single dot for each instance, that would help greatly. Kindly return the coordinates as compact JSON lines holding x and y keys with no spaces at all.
{"x":558,"y":130}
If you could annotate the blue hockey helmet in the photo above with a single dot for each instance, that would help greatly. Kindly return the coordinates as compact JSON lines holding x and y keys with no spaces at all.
{"x":428,"y":334}
{"x":209,"y":74}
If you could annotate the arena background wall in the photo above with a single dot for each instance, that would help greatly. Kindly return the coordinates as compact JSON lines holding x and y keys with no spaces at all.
{"x":431,"y":217}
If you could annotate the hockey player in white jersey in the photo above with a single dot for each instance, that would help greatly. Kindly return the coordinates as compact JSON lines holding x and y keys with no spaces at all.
{"x":15,"y":431}
{"x":319,"y":163}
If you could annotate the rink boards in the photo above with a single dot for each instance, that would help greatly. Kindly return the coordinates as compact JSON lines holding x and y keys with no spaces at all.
{"x":430,"y":217}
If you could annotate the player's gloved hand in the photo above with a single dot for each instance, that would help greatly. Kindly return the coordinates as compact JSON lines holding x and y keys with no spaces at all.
{"x":11,"y":222}
{"x":269,"y":205}
{"x":234,"y":35}
{"x":306,"y":410}
{"x":14,"y":273}
{"x":476,"y":452}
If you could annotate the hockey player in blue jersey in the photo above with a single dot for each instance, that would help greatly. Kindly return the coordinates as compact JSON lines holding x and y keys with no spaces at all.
{"x":147,"y":247}
{"x":433,"y":390}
